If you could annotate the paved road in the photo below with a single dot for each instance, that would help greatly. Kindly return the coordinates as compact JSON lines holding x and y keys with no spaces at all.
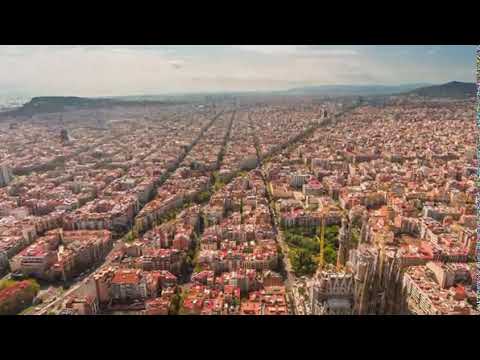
{"x":290,"y":276}
{"x":60,"y":299}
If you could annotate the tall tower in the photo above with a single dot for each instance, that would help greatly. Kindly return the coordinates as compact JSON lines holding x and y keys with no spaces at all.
{"x":363,"y":230}
{"x":5,"y":174}
{"x":100,"y":117}
{"x":64,"y":135}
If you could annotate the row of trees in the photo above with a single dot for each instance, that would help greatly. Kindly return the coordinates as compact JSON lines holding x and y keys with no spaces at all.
{"x":21,"y":299}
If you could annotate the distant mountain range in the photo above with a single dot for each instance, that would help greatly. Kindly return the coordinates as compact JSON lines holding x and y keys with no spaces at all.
{"x":354,"y":90}
{"x":454,"y":89}
{"x":52,"y":104}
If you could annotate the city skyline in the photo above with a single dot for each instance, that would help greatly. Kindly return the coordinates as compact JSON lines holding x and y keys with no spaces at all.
{"x":303,"y":202}
{"x":120,"y":70}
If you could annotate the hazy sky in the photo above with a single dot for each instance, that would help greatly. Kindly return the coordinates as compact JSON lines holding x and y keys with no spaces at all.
{"x":134,"y":70}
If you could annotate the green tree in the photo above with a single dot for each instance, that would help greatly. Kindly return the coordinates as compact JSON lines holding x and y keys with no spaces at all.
{"x":302,"y":262}
{"x":34,"y":286}
{"x":6,"y":284}
{"x":174,"y":305}
{"x":203,"y":197}
{"x":197,"y":268}
{"x":129,"y":237}
{"x":235,"y":302}
{"x":330,"y":254}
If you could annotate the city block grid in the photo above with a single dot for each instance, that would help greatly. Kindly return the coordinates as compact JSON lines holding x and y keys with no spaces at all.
{"x":298,"y":207}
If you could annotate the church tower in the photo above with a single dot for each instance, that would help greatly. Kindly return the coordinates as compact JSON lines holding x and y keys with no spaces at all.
{"x":344,"y":239}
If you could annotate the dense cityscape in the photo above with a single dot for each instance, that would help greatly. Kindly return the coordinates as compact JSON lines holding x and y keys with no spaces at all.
{"x":241,"y":206}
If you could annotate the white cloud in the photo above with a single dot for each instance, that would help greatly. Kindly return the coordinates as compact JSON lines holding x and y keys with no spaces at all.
{"x":269,"y":49}
{"x":86,"y":71}
{"x":333,"y":52}
{"x":130,"y":69}
{"x":309,"y":50}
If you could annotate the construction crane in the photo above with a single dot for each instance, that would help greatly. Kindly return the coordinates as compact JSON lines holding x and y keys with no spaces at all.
{"x":321,"y":239}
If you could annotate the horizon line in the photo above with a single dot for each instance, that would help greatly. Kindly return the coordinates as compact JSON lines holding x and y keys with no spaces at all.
{"x":218,"y":92}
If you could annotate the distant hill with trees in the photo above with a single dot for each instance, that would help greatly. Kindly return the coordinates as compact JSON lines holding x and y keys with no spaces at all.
{"x":454,"y":89}
{"x":55,"y":104}
{"x":353,"y":90}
